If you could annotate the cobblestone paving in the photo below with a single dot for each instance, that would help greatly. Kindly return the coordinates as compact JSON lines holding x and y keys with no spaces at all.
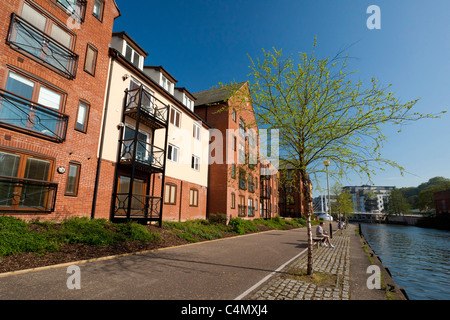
{"x":331,"y":261}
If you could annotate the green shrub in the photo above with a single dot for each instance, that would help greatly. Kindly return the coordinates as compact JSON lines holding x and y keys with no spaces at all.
{"x":241,"y":226}
{"x":137,"y":232}
{"x":97,"y":232}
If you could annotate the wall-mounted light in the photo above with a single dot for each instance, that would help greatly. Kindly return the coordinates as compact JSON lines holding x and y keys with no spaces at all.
{"x":125,"y":77}
{"x":61,"y":170}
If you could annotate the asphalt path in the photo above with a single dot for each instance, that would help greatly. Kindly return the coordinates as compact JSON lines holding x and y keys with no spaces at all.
{"x":215,"y":270}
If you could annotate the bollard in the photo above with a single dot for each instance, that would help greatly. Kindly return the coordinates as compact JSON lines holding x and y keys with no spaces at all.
{"x":360,"y":231}
{"x":331,"y":231}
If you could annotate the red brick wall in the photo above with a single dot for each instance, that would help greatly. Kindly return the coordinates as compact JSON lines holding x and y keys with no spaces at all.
{"x":80,"y":147}
{"x":221,"y":184}
{"x":181,"y":210}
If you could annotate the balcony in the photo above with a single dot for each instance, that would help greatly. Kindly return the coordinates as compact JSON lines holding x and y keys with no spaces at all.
{"x":26,"y":38}
{"x":265,"y":191}
{"x":75,"y":8}
{"x":242,"y":211}
{"x":143,"y":105}
{"x":24,"y":115}
{"x":145,"y":155}
{"x":251,"y":211}
{"x":242,"y":184}
{"x":142,"y":207}
{"x":27,"y":195}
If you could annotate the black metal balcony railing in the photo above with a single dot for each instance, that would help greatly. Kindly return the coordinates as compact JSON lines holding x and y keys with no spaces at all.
{"x":142,"y":206}
{"x":26,"y":115}
{"x":25,"y":37}
{"x":242,"y":211}
{"x":76,"y":8}
{"x":146,"y":153}
{"x":153,"y":110}
{"x":19,"y":195}
{"x":265,"y":191}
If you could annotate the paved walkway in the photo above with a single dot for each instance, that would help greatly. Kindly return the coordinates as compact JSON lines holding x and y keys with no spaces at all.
{"x":333,"y":262}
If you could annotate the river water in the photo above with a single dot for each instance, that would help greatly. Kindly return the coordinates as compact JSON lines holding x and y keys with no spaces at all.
{"x":418,"y":258}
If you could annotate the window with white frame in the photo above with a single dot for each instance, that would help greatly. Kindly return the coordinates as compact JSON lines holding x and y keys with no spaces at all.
{"x":175,"y":117}
{"x":173,"y":153}
{"x":196,"y":131}
{"x":195,"y":163}
{"x":165,"y":83}
{"x":188,"y":103}
{"x":132,"y":56}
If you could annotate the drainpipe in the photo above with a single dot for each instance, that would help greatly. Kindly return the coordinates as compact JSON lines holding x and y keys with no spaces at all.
{"x":99,"y":161}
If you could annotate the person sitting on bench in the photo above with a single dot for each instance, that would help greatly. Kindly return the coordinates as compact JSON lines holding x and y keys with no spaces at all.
{"x":320,"y":233}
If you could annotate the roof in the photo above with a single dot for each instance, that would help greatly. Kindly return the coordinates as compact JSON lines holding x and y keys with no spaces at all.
{"x":126,"y":36}
{"x":216,"y":95}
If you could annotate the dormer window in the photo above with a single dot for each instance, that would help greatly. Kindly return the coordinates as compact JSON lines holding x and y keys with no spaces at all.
{"x":132,"y":56}
{"x":188,"y":103}
{"x":165,"y":83}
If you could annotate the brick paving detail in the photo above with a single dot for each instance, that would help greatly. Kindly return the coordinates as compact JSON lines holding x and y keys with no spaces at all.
{"x":334,"y":263}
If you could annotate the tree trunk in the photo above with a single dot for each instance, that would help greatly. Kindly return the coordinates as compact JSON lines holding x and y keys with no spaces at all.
{"x":308,"y":200}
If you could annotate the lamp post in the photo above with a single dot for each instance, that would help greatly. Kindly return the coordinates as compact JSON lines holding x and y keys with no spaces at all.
{"x":327,"y":164}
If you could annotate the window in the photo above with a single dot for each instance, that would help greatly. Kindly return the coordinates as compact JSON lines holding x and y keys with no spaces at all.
{"x":25,"y":182}
{"x":173,"y":153}
{"x":133,"y":56}
{"x":138,"y":198}
{"x":75,"y":8}
{"x":233,"y":171}
{"x":195,"y":163}
{"x":233,"y":115}
{"x":42,"y":38}
{"x":175,"y":117}
{"x":252,"y":138}
{"x":82,"y":117}
{"x":38,"y":113}
{"x":241,"y":153}
{"x":193,"y":198}
{"x":242,"y":128}
{"x":90,"y":61}
{"x":196,"y":131}
{"x":98,"y":9}
{"x":233,"y":201}
{"x":73,"y":179}
{"x":165,"y":83}
{"x":188,"y":103}
{"x":234,"y":143}
{"x":170,"y":194}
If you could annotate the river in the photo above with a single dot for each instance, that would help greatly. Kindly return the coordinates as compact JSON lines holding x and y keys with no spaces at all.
{"x":418,"y":258}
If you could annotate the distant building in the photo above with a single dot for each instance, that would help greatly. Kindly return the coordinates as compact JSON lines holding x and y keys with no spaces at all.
{"x":368,"y":201}
{"x":442,"y":201}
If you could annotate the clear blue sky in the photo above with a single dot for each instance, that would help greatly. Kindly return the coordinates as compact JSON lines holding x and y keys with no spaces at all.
{"x":202,"y":43}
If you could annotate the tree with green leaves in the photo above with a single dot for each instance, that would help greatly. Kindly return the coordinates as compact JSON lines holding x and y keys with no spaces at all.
{"x":396,"y":204}
{"x":321,"y":114}
{"x":343,"y":204}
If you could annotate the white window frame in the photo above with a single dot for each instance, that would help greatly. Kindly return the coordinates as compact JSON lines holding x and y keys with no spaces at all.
{"x":196,"y":131}
{"x":170,"y":155}
{"x":195,"y":163}
{"x":133,"y":53}
{"x":177,"y":112}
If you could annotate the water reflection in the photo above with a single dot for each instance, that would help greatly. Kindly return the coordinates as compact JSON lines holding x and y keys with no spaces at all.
{"x":417,"y":258}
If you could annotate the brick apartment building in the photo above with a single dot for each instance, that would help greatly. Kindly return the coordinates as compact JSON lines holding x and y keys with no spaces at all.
{"x":53,"y":69}
{"x":234,"y":172}
{"x":154,"y":148}
{"x":442,"y":201}
{"x":291,"y":200}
